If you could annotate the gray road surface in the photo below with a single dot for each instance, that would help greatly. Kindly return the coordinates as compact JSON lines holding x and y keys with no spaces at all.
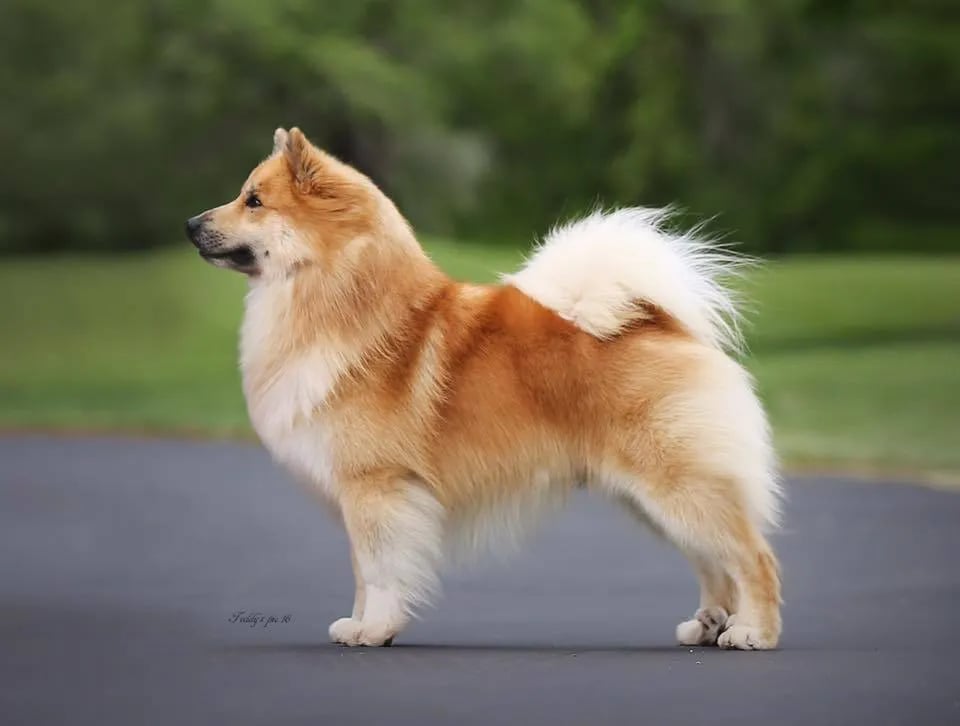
{"x":122,"y":563}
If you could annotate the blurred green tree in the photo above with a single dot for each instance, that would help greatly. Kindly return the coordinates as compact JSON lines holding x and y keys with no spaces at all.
{"x":799,"y":124}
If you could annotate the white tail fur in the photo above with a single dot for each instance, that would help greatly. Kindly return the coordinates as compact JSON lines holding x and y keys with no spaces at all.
{"x":594,"y":271}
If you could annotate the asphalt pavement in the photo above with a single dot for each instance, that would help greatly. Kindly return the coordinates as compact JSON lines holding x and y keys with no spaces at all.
{"x":177,"y":582}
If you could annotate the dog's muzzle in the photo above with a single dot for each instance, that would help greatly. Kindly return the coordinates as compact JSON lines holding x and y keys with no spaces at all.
{"x":210,"y":245}
{"x":193,"y":227}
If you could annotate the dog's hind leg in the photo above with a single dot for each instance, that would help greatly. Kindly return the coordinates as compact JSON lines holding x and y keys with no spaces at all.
{"x":395,"y":530}
{"x":718,"y":600}
{"x":706,"y":518}
{"x":718,"y":591}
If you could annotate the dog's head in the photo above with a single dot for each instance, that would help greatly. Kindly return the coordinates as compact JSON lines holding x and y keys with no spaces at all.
{"x":299,"y":207}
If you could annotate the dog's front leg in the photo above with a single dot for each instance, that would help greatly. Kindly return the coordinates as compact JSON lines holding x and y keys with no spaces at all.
{"x":360,"y":592}
{"x":395,"y":529}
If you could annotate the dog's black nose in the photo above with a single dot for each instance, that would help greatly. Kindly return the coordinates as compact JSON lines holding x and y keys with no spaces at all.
{"x":193,"y":224}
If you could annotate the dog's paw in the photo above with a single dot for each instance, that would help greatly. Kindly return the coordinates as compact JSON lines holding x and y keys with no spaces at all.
{"x":745,"y":637}
{"x":347,"y":631}
{"x":704,"y":628}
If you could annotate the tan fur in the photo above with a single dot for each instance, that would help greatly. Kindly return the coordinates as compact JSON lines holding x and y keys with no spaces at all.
{"x":429,"y":410}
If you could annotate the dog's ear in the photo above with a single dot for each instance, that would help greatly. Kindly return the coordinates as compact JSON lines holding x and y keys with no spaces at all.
{"x":304,"y":159}
{"x":280,"y":137}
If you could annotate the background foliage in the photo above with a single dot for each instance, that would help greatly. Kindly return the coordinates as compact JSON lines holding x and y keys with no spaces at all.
{"x":804,"y":124}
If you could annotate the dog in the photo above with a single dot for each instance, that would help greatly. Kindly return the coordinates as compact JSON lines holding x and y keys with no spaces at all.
{"x":441,"y":417}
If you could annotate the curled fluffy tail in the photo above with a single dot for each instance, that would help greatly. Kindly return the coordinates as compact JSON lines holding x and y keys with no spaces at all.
{"x":596,"y":271}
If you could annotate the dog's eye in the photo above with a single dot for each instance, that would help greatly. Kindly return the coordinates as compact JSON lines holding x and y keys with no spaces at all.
{"x":253,"y":201}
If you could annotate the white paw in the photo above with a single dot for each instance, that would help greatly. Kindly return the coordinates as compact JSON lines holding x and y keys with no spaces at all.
{"x":745,"y":637}
{"x":704,"y":628}
{"x":347,"y":631}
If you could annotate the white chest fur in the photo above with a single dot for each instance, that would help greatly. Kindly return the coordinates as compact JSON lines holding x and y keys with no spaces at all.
{"x":286,"y":392}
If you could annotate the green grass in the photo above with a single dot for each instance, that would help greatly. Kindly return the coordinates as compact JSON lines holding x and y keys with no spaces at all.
{"x":858,"y":359}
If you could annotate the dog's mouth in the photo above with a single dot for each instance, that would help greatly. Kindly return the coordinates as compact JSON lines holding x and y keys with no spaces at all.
{"x":239,"y":258}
